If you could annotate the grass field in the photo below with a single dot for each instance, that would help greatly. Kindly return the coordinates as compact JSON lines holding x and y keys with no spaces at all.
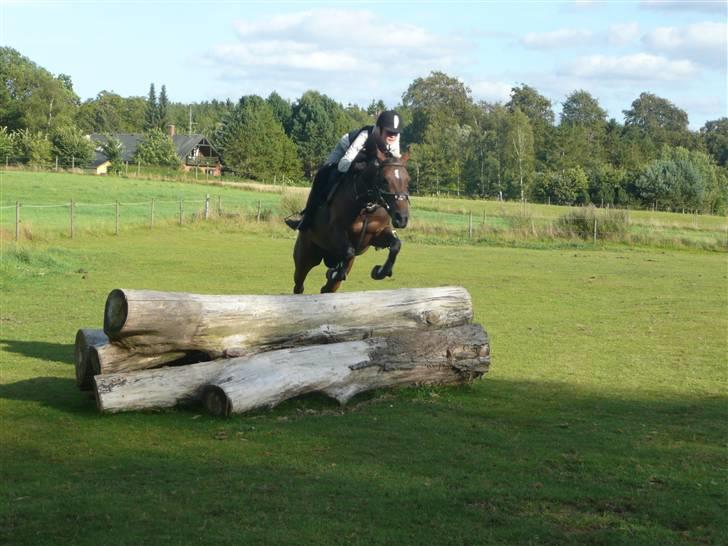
{"x":602,"y":421}
{"x":45,"y":213}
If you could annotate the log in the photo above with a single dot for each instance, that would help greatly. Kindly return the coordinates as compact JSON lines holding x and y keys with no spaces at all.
{"x":340,"y":370}
{"x":155,"y":323}
{"x":86,"y":338}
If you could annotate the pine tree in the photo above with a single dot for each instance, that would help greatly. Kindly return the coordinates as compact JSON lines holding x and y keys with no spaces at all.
{"x":151,"y":115}
{"x":162,"y":114}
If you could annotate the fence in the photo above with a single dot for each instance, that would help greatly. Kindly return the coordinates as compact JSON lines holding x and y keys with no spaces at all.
{"x":66,"y":216}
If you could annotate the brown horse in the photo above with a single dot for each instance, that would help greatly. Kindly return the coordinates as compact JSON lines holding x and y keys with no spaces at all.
{"x":362,"y":212}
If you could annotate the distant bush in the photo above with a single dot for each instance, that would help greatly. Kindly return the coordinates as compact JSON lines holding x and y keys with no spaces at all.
{"x":610,"y":223}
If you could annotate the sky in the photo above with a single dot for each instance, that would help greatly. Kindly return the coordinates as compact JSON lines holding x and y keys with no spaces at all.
{"x":357,"y":52}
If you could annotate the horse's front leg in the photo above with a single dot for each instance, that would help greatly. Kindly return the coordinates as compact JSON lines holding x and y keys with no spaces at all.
{"x":387,"y":239}
{"x":335,"y":275}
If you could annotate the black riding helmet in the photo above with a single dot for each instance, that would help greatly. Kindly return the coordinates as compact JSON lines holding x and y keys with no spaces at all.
{"x":390,"y":120}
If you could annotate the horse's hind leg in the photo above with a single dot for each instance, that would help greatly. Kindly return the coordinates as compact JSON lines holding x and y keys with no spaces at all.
{"x":306,"y":256}
{"x":390,"y":239}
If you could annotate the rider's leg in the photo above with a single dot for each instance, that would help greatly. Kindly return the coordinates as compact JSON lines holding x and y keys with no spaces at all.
{"x":319,"y":188}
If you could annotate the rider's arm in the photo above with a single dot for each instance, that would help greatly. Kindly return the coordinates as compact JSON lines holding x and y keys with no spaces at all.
{"x":355,"y":147}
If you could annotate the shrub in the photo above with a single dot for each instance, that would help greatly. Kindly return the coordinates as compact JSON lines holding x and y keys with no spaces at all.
{"x":610,"y":224}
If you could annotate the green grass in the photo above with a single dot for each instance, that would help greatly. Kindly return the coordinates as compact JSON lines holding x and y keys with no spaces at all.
{"x":45,"y":213}
{"x":602,"y":420}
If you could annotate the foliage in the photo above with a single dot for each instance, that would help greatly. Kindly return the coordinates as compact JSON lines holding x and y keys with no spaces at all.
{"x":254,"y":144}
{"x":162,"y":109}
{"x":156,"y":148}
{"x":71,"y":147}
{"x":565,"y":187}
{"x":715,"y":136}
{"x":582,"y":222}
{"x":111,"y":113}
{"x":313,"y":130}
{"x":33,"y":148}
{"x":282,"y":110}
{"x":659,"y":119}
{"x":113,"y":149}
{"x":7,"y":145}
{"x":151,"y":112}
{"x":31,"y":97}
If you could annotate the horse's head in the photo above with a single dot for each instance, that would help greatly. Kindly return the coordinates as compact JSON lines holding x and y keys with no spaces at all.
{"x":393,"y":186}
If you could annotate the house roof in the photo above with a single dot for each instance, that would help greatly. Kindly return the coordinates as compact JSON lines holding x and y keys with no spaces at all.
{"x":184,"y":144}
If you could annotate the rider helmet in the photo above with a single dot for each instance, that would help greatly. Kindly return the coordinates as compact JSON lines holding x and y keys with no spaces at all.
{"x":390,"y":120}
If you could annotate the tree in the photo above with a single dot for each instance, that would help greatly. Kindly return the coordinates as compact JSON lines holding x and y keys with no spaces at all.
{"x":715,"y":136}
{"x":254,"y":144}
{"x":151,"y":114}
{"x":31,"y":97}
{"x":313,"y":130}
{"x":519,"y":153}
{"x":162,"y":106}
{"x":437,"y":96}
{"x":71,"y":147}
{"x":537,"y":109}
{"x":580,"y":108}
{"x":33,"y":148}
{"x":282,"y":110}
{"x":661,"y":120}
{"x":562,"y":188}
{"x":111,"y":113}
{"x":113,"y":149}
{"x":156,"y":149}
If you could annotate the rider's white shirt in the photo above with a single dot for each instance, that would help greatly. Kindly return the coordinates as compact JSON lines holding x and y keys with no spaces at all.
{"x":345,"y":152}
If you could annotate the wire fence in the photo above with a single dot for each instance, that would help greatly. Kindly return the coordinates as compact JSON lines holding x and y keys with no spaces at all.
{"x":22,"y":220}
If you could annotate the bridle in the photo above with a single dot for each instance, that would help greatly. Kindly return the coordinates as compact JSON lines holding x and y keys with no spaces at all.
{"x":375,"y":193}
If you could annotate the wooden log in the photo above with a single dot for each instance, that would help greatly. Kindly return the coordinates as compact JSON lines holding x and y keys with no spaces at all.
{"x":341,"y":370}
{"x":115,"y":358}
{"x":155,"y":323}
{"x":86,"y":338}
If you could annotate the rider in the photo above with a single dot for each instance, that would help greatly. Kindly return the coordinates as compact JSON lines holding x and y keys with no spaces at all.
{"x":354,"y":148}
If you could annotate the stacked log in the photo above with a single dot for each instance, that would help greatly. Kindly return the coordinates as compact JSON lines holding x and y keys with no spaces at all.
{"x":237,"y":353}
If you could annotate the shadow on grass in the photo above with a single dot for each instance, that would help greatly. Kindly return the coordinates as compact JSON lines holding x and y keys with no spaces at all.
{"x":54,"y":392}
{"x":61,"y":353}
{"x":501,"y":462}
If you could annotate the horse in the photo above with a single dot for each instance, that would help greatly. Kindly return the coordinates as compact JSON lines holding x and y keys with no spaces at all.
{"x":362,"y":212}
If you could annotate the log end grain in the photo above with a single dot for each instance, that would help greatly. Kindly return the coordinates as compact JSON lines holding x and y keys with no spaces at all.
{"x":116,"y":311}
{"x":216,"y":401}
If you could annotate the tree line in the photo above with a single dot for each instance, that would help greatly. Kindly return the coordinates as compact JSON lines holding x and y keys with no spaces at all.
{"x":515,"y":150}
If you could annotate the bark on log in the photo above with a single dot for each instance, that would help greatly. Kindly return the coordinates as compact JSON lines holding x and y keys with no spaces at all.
{"x":341,"y":370}
{"x":86,"y":338}
{"x":115,"y":358}
{"x":155,"y":323}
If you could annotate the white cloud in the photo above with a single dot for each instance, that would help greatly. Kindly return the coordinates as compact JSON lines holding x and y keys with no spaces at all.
{"x":491,"y":91}
{"x":623,"y":34}
{"x":702,"y":42}
{"x":565,"y":37}
{"x":335,"y":50}
{"x":636,"y":67}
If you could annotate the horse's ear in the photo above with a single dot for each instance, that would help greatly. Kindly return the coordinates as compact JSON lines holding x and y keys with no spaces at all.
{"x":406,"y":155}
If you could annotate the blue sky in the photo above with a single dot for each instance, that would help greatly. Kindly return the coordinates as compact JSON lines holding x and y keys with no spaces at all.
{"x":359,"y":51}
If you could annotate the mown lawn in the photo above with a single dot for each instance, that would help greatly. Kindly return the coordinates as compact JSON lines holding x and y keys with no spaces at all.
{"x":602,"y":420}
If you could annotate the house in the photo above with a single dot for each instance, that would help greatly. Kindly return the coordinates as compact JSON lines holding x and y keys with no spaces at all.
{"x":194,"y":151}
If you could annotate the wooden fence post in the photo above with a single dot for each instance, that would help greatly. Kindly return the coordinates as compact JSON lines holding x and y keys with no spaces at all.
{"x":17,"y":220}
{"x":219,"y":205}
{"x":181,"y":210}
{"x":151,"y":215}
{"x":257,"y":217}
{"x":207,"y":206}
{"x":470,"y":225}
{"x":595,"y":229}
